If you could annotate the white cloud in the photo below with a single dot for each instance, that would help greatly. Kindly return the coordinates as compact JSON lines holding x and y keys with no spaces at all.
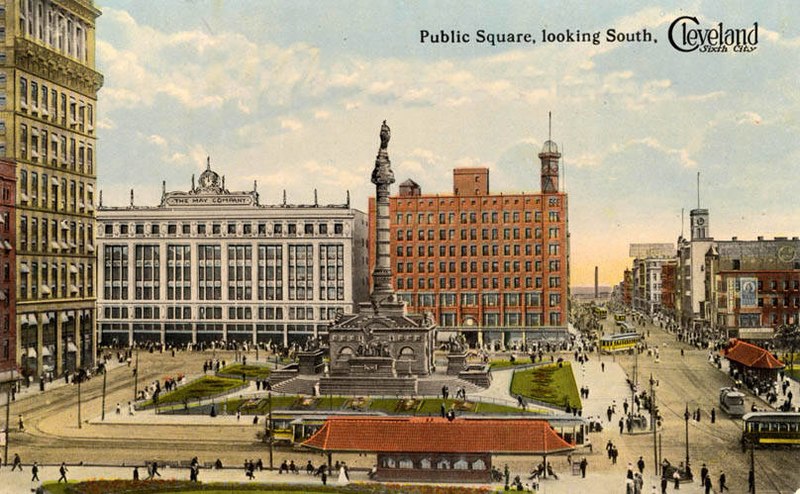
{"x":291,"y":124}
{"x":157,"y":140}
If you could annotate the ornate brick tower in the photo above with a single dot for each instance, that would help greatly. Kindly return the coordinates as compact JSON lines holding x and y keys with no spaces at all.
{"x":549,"y":157}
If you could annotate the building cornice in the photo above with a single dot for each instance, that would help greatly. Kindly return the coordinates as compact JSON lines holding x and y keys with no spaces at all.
{"x":48,"y":64}
{"x":82,"y":8}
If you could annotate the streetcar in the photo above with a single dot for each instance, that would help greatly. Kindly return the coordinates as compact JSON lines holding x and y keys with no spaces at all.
{"x":600,"y":312}
{"x":619,"y":342}
{"x":731,"y":401}
{"x":769,"y":429}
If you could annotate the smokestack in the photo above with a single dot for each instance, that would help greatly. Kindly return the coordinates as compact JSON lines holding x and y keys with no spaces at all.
{"x":596,"y":290}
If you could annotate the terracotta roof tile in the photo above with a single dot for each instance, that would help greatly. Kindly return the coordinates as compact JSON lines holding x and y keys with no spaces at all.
{"x":437,"y":435}
{"x":752,"y":356}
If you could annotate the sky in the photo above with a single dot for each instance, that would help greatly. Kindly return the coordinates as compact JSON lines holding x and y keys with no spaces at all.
{"x":292,"y":94}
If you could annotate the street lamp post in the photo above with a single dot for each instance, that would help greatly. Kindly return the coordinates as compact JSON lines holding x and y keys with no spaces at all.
{"x":686,"y":419}
{"x":136,"y":376}
{"x":8,"y":424}
{"x":752,"y":475}
{"x":79,"y":376}
{"x":103,"y":413}
{"x":269,"y":422}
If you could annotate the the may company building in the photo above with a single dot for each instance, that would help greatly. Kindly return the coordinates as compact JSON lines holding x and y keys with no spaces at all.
{"x":209,"y":264}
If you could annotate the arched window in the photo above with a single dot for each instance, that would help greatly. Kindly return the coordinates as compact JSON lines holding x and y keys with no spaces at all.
{"x":345,"y":353}
{"x":461,"y":465}
{"x":425,"y":463}
{"x":406,"y":463}
{"x":406,"y":353}
{"x":479,"y":464}
{"x":389,"y":462}
{"x":443,"y":464}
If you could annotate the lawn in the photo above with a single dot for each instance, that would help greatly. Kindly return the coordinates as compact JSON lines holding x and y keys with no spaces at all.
{"x":505,"y":363}
{"x":185,"y":487}
{"x":249,"y":371}
{"x":793,"y":372}
{"x":550,"y":384}
{"x":204,"y":387}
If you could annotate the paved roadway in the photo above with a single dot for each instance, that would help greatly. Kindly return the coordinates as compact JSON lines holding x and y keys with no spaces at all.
{"x":692,"y":380}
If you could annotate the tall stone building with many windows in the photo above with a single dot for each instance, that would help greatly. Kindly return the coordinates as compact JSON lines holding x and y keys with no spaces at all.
{"x":48,"y":106}
{"x":209,"y":264}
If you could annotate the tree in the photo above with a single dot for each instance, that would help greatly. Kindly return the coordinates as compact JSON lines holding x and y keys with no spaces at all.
{"x":787,"y":337}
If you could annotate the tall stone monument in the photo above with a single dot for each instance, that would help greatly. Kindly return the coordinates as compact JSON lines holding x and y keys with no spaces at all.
{"x":382,"y":349}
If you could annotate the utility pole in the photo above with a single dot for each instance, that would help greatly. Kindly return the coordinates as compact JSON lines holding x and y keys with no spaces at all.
{"x":103,"y":413}
{"x":269,"y":422}
{"x":752,"y":467}
{"x":686,"y":419}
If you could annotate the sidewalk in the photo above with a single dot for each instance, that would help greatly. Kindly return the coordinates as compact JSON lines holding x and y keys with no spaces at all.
{"x":20,"y":482}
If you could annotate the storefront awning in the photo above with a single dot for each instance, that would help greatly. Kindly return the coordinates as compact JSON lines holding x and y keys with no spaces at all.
{"x":7,"y":245}
{"x":3,"y":296}
{"x":44,"y":318}
{"x":44,"y":289}
{"x":64,"y":317}
{"x":54,"y":245}
{"x":31,"y":352}
{"x":24,"y":268}
{"x":71,"y":347}
{"x":73,"y":268}
{"x":46,"y":352}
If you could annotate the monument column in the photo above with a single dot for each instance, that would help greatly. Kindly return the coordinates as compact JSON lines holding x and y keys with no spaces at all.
{"x":382,"y":177}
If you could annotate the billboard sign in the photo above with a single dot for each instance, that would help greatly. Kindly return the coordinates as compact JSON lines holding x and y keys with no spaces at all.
{"x":644,"y":251}
{"x":748,"y":293}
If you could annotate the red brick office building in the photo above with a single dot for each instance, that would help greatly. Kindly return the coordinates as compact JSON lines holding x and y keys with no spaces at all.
{"x":495,"y":266}
{"x":8,"y":332}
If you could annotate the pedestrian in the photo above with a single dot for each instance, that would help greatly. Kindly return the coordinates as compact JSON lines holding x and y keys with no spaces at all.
{"x":35,"y":472}
{"x":135,"y":473}
{"x":17,"y":463}
{"x":621,"y":425}
{"x":664,"y":485}
{"x":751,"y":481}
{"x":324,"y":477}
{"x":640,"y":464}
{"x":119,"y":409}
{"x":154,"y":471}
{"x":21,"y":424}
{"x":722,"y":479}
{"x":583,"y":464}
{"x":63,"y":471}
{"x":614,"y":455}
{"x":713,"y":415}
{"x":707,"y":484}
{"x":677,"y":478}
{"x":602,"y":366}
{"x":130,"y":408}
{"x":703,"y":474}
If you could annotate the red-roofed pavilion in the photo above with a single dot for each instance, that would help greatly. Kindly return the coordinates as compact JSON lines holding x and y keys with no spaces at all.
{"x":434,"y":449}
{"x":752,"y":359}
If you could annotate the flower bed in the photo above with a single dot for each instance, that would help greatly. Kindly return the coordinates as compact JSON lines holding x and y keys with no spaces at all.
{"x":205,"y":387}
{"x":249,"y":371}
{"x":552,"y":384}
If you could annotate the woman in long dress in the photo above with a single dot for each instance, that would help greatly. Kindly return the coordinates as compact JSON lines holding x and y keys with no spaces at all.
{"x":343,"y":479}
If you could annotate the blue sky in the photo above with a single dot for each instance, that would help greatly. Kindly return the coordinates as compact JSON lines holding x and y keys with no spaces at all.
{"x":292,"y":94}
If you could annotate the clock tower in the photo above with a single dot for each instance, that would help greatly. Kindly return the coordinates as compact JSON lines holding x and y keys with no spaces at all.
{"x":699,"y":222}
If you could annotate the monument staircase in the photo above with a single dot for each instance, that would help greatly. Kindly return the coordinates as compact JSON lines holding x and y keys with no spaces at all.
{"x":432,"y":386}
{"x":300,"y":385}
